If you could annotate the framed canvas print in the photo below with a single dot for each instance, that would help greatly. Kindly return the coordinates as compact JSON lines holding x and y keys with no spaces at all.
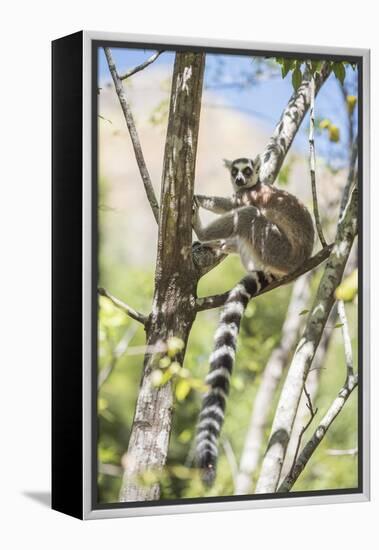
{"x":210,"y":275}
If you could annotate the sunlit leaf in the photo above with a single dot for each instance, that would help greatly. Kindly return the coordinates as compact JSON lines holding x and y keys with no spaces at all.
{"x":185,"y":436}
{"x":297,"y":77}
{"x":164,"y":362}
{"x":339,"y":71}
{"x":348,"y":288}
{"x":351,"y":101}
{"x":182,"y":389}
{"x":174,"y":346}
{"x":334,"y":133}
{"x":325,"y":123}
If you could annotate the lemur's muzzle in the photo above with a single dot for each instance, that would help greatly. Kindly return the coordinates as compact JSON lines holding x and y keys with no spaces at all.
{"x":240,"y":180}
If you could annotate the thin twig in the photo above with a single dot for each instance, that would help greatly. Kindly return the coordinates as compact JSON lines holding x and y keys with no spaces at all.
{"x":318,"y":435}
{"x":110,"y":470}
{"x":120,"y":90}
{"x":231,"y":458}
{"x":342,"y":452}
{"x":119,"y":350}
{"x":313,"y":413}
{"x":141,"y":66}
{"x":312,"y":162}
{"x":136,"y":315}
{"x":210,"y":302}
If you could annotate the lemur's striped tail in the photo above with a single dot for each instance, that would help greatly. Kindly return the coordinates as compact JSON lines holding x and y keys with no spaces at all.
{"x":221,"y":365}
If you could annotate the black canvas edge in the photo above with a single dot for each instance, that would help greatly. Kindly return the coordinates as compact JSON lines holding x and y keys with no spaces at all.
{"x":67,"y":364}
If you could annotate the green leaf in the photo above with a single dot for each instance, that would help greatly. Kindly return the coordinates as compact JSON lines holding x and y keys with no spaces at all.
{"x":286,"y":67}
{"x":334,"y":133}
{"x":303,"y":312}
{"x":316,"y":66}
{"x":164,"y":362}
{"x":185,"y":436}
{"x":348,"y":288}
{"x":174,"y":346}
{"x":339,"y":71}
{"x":182,"y":389}
{"x":297,"y":77}
{"x":338,"y":325}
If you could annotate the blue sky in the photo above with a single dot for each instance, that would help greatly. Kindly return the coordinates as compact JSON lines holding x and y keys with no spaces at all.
{"x":262,"y":101}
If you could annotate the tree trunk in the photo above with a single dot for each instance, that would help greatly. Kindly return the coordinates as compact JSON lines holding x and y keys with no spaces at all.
{"x":174,"y":301}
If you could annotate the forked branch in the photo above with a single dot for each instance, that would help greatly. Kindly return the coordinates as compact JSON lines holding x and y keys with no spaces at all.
{"x":142,"y":66}
{"x":136,"y":315}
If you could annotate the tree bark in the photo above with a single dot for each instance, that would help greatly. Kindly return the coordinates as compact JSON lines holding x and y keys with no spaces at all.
{"x":306,"y":349}
{"x":174,"y":301}
{"x":272,"y":375}
{"x":312,"y":384}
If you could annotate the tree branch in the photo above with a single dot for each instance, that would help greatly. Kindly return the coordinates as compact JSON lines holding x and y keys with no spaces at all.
{"x":141,"y":66}
{"x":312,"y":387}
{"x":332,"y":413}
{"x":231,"y":458}
{"x":210,"y":302}
{"x":120,"y":349}
{"x":313,"y":413}
{"x":306,"y":349}
{"x":312,"y":162}
{"x":271,"y":377}
{"x":124,"y":307}
{"x":121,"y":93}
{"x":342,"y":452}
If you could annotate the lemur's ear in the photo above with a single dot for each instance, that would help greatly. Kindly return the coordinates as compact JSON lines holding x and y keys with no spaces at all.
{"x":257,"y":162}
{"x":227,"y":163}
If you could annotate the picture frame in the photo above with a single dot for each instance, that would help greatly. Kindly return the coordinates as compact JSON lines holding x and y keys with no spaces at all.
{"x":75,"y":272}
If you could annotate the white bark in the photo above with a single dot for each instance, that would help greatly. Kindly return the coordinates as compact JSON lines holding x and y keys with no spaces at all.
{"x":288,"y":125}
{"x":272,"y":375}
{"x":306,"y":349}
{"x":331,"y":414}
{"x":312,"y":384}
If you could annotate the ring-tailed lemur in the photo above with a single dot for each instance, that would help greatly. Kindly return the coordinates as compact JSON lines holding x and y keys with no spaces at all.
{"x":272,"y":231}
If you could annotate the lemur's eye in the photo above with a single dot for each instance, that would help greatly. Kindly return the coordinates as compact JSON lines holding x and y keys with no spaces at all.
{"x":234,"y":172}
{"x":247,"y":172}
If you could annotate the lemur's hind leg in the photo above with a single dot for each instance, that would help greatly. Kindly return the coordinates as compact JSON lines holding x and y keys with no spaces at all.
{"x":269,"y":245}
{"x":272,"y":247}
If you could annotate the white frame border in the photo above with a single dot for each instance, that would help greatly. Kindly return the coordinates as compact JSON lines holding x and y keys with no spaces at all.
{"x":183,"y":508}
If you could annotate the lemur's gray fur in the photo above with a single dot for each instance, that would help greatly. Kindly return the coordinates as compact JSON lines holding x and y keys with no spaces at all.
{"x":273,"y":232}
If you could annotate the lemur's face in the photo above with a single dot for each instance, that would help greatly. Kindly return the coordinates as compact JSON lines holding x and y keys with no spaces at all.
{"x":244,"y":172}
